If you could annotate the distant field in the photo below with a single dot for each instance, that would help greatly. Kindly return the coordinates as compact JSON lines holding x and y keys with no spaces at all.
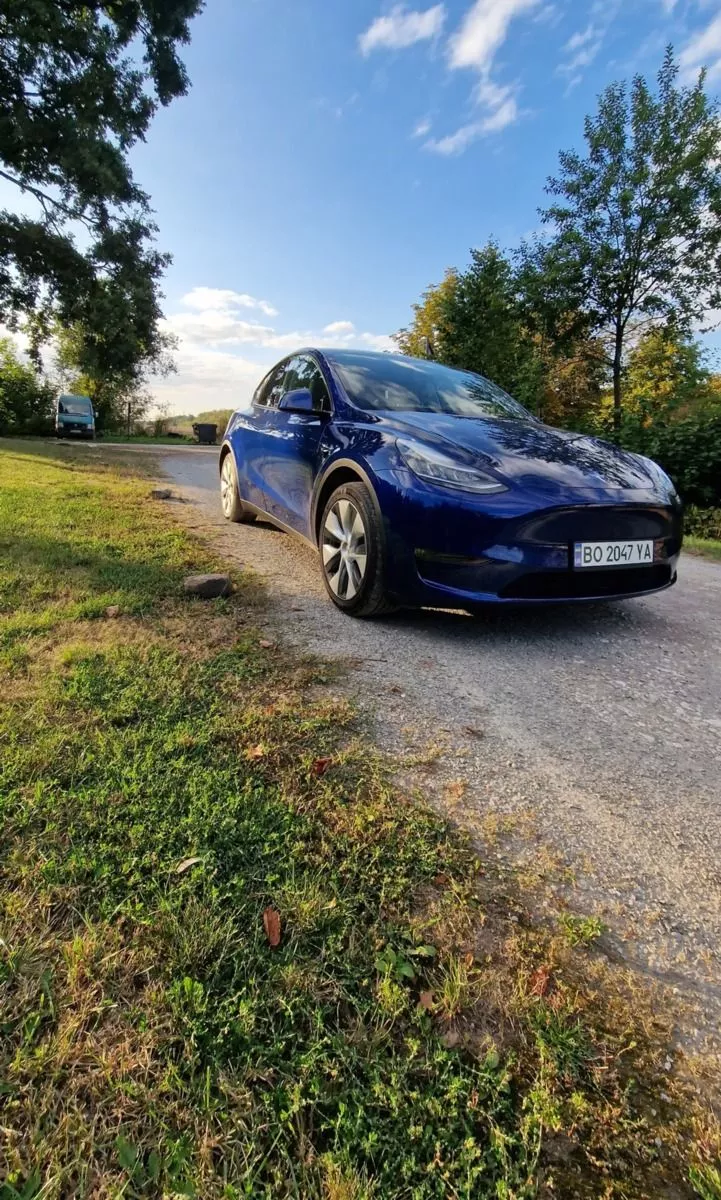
{"x":184,"y":424}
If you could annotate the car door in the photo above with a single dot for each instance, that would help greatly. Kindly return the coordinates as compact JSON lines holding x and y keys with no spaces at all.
{"x":294,"y":446}
{"x":251,"y":438}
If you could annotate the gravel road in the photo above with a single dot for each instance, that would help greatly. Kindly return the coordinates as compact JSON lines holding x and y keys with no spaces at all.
{"x":591,"y":736}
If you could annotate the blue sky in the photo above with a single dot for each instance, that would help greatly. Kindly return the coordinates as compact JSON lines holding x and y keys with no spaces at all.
{"x":333,"y":158}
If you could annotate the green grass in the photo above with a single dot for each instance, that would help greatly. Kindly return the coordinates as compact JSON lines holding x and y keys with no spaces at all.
{"x":703,"y":547}
{"x":581,"y":931}
{"x":412,"y":1036}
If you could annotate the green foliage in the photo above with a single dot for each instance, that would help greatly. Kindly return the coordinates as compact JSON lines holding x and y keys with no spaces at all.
{"x":119,"y":394}
{"x":706,"y":1181}
{"x":481,"y":328}
{"x":703,"y":522}
{"x":26,"y":401}
{"x":581,"y":931}
{"x":688,"y":448}
{"x":429,"y":325}
{"x":666,"y":374}
{"x":501,"y":317}
{"x":79,"y":85}
{"x":638,"y":218}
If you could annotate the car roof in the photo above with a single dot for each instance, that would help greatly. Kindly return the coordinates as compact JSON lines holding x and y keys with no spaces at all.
{"x":349,"y":352}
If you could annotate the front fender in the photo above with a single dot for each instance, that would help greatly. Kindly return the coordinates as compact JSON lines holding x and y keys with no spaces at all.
{"x":339,"y":465}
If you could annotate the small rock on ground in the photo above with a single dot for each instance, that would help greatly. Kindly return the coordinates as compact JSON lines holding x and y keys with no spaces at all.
{"x":161,"y":494}
{"x":208,"y":586}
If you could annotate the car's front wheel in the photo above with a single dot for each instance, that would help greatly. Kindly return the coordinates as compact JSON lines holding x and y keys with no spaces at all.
{"x":232,"y":505}
{"x":352,"y":549}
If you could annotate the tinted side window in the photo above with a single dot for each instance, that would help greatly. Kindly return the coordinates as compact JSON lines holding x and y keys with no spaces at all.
{"x":271,"y":388}
{"x":303,"y":372}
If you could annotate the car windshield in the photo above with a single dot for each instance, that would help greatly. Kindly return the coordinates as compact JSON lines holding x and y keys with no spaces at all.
{"x":399,"y":384}
{"x":76,"y":406}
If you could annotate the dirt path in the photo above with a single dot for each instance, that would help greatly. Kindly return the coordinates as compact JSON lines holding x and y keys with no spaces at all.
{"x":591,"y":737}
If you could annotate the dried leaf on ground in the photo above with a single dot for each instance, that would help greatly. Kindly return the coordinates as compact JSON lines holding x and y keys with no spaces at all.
{"x":271,"y":925}
{"x":320,"y":766}
{"x":539,"y":981}
{"x":426,"y":1000}
{"x":186,"y":864}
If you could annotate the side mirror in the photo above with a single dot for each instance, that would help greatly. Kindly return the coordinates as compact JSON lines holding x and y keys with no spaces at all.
{"x":297,"y":401}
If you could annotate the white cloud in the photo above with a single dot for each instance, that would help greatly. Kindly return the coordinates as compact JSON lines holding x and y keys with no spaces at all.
{"x":455,"y":143}
{"x":703,"y":50}
{"x":339,"y":328}
{"x":474,"y":46}
{"x":422,"y":128}
{"x":211,"y":324}
{"x":483,"y":31}
{"x":208,"y":379}
{"x":583,"y":46}
{"x":402,"y":28}
{"x":204,"y":298}
{"x":549,"y":15}
{"x":581,"y":49}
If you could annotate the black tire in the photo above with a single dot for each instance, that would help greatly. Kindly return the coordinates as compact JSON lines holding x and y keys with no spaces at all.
{"x":370,"y":597}
{"x":230,"y":501}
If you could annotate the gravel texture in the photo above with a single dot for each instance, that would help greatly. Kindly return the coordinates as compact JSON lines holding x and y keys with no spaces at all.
{"x":584,"y":743}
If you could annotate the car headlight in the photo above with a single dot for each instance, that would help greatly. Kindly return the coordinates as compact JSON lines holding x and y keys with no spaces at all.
{"x":436,"y":467}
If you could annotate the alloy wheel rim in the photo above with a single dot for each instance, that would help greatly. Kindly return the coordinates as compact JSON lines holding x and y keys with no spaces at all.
{"x":227,"y":484}
{"x":344,"y":549}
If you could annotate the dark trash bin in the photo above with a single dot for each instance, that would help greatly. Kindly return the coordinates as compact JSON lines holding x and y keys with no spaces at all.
{"x":207,"y":435}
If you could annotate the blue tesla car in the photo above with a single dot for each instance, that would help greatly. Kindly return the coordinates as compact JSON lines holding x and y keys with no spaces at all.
{"x":423,"y":485}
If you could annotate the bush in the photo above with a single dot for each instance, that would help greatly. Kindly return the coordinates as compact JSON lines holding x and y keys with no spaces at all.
{"x":703,"y":522}
{"x":26,"y":401}
{"x":688,"y":449}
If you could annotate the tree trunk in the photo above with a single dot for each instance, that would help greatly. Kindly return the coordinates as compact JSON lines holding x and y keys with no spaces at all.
{"x":617,"y":359}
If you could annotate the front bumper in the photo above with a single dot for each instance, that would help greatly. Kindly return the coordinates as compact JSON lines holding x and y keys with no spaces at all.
{"x":517,"y":548}
{"x":74,"y":429}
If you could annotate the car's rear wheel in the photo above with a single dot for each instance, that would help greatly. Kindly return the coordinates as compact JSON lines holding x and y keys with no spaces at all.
{"x":233,"y":507}
{"x":352,"y":550}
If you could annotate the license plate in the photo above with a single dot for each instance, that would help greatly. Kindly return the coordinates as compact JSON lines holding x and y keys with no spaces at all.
{"x":613,"y":554}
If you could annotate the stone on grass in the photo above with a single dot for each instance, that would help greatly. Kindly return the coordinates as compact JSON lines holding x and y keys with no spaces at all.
{"x":208,"y":586}
{"x":161,"y":494}
{"x":113,"y":610}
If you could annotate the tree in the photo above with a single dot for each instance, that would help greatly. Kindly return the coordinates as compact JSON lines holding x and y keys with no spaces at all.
{"x":504,"y":317}
{"x":428,"y":324}
{"x":120,"y":396}
{"x":72,"y":104}
{"x":638,"y":219}
{"x":26,"y":401}
{"x":567,"y":371}
{"x":667,"y":376}
{"x":482,"y":321}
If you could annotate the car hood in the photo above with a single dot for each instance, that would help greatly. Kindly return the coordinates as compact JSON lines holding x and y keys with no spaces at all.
{"x":525,"y":452}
